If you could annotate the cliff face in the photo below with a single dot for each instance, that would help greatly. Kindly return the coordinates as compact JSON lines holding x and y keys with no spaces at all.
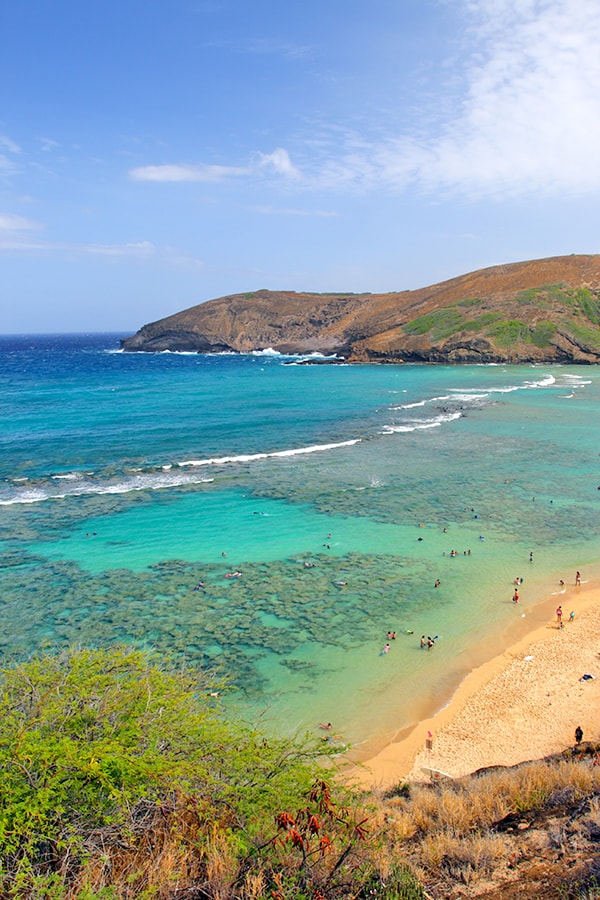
{"x":538,"y":311}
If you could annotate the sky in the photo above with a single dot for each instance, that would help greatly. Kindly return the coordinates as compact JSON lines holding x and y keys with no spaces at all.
{"x":155,"y":155}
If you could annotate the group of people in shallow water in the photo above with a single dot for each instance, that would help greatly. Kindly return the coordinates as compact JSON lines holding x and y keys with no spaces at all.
{"x":391,"y":636}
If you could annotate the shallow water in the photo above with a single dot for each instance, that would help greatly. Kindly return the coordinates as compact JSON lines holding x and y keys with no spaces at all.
{"x":127,"y":477}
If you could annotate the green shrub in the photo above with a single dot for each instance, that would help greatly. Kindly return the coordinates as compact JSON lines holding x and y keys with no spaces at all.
{"x":472,"y":301}
{"x":400,"y":884}
{"x":543,"y":333}
{"x":544,"y":296}
{"x":441,"y":323}
{"x":508,"y":332}
{"x":589,"y":304}
{"x":586,"y":335}
{"x":480,"y":322}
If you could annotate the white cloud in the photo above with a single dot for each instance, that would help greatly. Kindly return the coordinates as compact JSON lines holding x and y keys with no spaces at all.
{"x":264,"y":47}
{"x":279,"y":162}
{"x":8,"y":144}
{"x":283,"y":211}
{"x":7,"y":165}
{"x":176,"y":172}
{"x":137,"y":248}
{"x":48,"y":144}
{"x":142,"y":251}
{"x":136,"y":251}
{"x":528,"y":119}
{"x":10,"y":222}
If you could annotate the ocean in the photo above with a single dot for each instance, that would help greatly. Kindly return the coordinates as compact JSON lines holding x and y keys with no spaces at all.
{"x":271,"y":521}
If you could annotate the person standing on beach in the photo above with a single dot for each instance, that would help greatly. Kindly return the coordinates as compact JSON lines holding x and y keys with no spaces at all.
{"x":559,"y":616}
{"x":516,"y":596}
{"x":578,"y":578}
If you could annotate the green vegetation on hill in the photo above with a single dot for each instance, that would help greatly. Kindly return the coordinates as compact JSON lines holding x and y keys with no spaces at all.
{"x":120,"y":779}
{"x":554,"y":303}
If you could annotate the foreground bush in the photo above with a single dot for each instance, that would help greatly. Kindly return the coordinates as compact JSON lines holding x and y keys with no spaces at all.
{"x":120,"y":779}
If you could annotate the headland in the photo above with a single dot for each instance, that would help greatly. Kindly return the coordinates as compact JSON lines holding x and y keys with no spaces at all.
{"x":538,"y":311}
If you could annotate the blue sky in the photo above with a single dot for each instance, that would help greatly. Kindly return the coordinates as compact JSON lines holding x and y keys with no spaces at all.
{"x":155,"y":155}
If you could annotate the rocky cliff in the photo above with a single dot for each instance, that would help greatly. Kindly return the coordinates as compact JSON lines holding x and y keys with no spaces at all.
{"x":544,"y":310}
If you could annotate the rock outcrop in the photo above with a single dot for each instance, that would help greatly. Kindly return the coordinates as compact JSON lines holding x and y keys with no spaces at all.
{"x":544,"y":310}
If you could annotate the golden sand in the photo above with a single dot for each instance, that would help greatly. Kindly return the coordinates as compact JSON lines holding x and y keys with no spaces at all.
{"x":524,"y":704}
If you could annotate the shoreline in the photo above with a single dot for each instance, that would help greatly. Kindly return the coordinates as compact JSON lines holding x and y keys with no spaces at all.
{"x":522,"y":703}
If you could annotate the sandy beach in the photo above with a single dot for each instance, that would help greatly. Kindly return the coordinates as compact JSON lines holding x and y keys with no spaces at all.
{"x":523,"y":704}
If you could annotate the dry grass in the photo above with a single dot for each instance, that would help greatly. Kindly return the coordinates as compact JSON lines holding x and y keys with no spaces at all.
{"x":448,"y":830}
{"x":460,"y":857}
{"x":440,"y":833}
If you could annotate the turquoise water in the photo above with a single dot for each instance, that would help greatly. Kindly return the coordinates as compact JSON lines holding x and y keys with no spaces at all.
{"x":337,"y":492}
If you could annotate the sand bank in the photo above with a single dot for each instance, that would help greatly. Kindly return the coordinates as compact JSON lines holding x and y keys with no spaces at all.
{"x":523,"y":704}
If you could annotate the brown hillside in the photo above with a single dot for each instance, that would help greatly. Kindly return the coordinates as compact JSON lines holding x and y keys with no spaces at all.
{"x":541,"y":310}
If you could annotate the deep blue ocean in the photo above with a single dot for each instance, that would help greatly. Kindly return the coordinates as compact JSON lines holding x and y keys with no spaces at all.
{"x":272,"y":520}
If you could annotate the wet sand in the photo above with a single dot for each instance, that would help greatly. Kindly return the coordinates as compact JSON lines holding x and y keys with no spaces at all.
{"x":523,"y":704}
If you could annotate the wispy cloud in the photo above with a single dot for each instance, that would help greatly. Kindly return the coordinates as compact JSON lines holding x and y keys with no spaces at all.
{"x":12,"y":223}
{"x":183,"y":172}
{"x":142,"y":251}
{"x":48,"y":144}
{"x":283,"y":211}
{"x":284,"y":49}
{"x":261,"y":46}
{"x":7,"y":164}
{"x":278,"y":162}
{"x":528,"y":119}
{"x":11,"y":242}
{"x":8,"y":144}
